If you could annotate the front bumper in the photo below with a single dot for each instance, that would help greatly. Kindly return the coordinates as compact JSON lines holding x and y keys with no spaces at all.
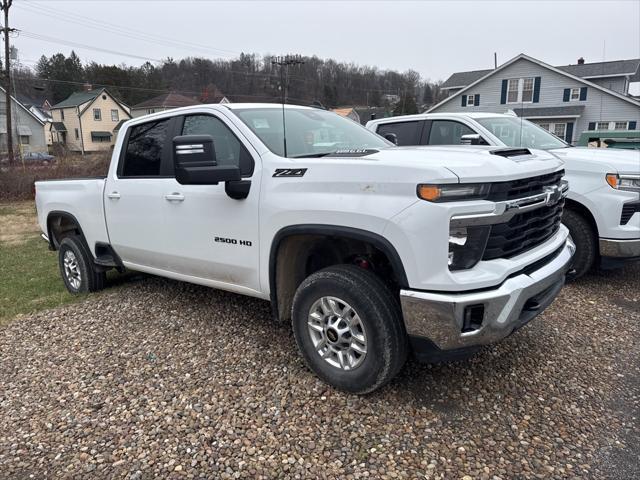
{"x":619,"y":248}
{"x":439,"y":318}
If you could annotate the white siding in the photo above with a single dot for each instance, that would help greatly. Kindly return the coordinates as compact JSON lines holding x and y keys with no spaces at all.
{"x":599,"y":105}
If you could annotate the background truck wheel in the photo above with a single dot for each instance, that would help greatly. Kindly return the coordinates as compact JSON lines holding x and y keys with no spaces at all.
{"x":584,"y":237}
{"x":76,"y":267}
{"x":348,"y":326}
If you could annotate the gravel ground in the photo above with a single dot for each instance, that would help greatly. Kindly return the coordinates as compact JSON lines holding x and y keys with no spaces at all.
{"x":159,"y":378}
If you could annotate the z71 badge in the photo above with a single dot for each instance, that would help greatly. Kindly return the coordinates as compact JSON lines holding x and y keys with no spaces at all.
{"x":290,"y":172}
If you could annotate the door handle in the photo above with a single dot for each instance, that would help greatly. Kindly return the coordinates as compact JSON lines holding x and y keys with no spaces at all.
{"x":114,"y":195}
{"x":174,"y":197}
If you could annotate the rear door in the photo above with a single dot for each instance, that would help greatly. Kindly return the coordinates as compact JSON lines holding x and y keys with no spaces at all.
{"x":445,"y":132}
{"x":134,"y":195}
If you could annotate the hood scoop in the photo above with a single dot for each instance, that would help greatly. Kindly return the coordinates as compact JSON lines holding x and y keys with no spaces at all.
{"x":510,"y":152}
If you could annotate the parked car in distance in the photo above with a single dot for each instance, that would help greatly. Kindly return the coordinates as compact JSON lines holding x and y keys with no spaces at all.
{"x":37,"y":157}
{"x":602,"y":210}
{"x":624,"y":139}
{"x":370,"y":250}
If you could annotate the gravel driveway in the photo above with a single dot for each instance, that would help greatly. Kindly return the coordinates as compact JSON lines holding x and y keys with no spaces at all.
{"x":160,"y":378}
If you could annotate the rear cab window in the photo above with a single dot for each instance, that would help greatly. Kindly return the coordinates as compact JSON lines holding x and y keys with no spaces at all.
{"x":407,"y":133}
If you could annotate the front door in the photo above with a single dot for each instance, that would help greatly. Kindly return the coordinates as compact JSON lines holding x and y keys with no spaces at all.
{"x":134,"y":202}
{"x":211,"y":236}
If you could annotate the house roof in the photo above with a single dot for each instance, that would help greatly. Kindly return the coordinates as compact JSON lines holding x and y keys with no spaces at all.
{"x":586,"y":70}
{"x":343,"y":112}
{"x":522,"y":56}
{"x":462,"y":79}
{"x":569,"y":111}
{"x":606,"y":69}
{"x":23,"y":107}
{"x":119,"y":125}
{"x":167,"y":100}
{"x":78,"y":98}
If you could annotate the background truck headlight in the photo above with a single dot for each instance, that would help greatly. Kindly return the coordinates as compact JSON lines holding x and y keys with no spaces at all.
{"x":630,"y":183}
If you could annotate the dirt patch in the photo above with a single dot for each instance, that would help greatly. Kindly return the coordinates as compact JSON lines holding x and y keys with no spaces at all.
{"x":19,"y":222}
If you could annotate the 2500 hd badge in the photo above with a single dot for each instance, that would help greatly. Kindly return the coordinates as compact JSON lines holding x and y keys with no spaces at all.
{"x":232,"y":241}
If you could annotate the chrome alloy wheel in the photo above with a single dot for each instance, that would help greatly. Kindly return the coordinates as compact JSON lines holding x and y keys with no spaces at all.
{"x":71,"y":269}
{"x":337,"y":333}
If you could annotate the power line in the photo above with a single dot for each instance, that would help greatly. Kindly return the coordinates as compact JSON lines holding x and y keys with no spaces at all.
{"x":81,"y":20}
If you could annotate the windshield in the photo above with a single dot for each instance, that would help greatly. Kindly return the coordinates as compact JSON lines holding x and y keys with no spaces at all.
{"x":516,"y":132}
{"x":310,"y":132}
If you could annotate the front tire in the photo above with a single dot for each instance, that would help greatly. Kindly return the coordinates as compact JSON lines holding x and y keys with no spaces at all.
{"x":584,"y":236}
{"x":349,"y":329}
{"x":77,"y":268}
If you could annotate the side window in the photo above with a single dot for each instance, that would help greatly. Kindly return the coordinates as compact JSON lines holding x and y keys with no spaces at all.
{"x":447,"y":132}
{"x":145,"y":145}
{"x":229,"y":150}
{"x":407,"y":132}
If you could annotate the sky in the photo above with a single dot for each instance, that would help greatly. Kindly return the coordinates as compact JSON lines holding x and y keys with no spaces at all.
{"x":435,"y":38}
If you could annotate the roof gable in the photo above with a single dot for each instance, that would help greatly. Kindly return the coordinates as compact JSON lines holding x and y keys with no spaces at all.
{"x":23,"y":107}
{"x":522,"y":56}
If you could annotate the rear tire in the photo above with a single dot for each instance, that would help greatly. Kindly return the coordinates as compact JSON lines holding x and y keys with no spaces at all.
{"x":338,"y":313}
{"x":584,"y":236}
{"x":77,"y":268}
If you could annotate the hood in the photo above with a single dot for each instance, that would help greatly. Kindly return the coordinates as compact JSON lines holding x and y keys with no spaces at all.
{"x":600,"y":159}
{"x":477,"y":164}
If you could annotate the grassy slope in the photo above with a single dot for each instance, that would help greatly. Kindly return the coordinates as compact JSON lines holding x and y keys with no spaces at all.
{"x":30,"y":277}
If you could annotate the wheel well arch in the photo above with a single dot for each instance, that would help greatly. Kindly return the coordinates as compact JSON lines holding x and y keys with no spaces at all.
{"x":582,"y":210}
{"x":62,"y":224}
{"x":299,"y":244}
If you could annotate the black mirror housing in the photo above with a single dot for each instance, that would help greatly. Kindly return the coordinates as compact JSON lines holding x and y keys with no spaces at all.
{"x":392,"y":137}
{"x":194,"y":160}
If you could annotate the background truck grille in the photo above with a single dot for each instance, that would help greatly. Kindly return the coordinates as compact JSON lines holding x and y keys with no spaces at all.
{"x":628,"y":209}
{"x":523,"y":232}
{"x":524,"y":187}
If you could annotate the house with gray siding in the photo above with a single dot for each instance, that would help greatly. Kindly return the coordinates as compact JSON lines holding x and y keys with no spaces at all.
{"x":28,"y":130}
{"x":565,"y":100}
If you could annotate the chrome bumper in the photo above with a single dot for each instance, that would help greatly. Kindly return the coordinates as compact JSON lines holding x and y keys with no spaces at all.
{"x":620,"y":248}
{"x":440,"y":317}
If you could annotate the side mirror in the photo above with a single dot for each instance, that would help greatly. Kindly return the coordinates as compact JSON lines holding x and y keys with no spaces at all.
{"x":392,"y":137}
{"x":472,"y":139}
{"x":194,"y":160}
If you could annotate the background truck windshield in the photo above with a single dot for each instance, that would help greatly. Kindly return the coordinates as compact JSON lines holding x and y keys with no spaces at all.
{"x":516,"y":132}
{"x":309,"y":132}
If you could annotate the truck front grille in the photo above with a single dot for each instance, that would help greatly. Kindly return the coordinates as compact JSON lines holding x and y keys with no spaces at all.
{"x":523,"y":232}
{"x":524,"y":187}
{"x":628,"y":209}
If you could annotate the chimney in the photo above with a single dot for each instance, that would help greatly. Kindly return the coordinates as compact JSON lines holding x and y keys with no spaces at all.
{"x":87,"y":87}
{"x":581,"y":61}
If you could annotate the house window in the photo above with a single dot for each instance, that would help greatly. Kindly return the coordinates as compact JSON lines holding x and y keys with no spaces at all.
{"x":114,"y":116}
{"x":520,"y":90}
{"x":97,"y":114}
{"x":512,"y":90}
{"x":77,"y":132}
{"x":622,"y":126}
{"x":471,"y":100}
{"x":62,"y":114}
{"x":24,"y":139}
{"x":559,"y":130}
{"x":602,"y":126}
{"x":527,"y":89}
{"x":575,"y":94}
{"x":545,"y":126}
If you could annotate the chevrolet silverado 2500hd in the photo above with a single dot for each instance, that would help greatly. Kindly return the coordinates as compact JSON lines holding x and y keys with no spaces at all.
{"x":602,"y":210}
{"x":370,"y":250}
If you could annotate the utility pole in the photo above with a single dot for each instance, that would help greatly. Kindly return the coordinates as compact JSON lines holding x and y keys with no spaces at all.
{"x":6,"y":4}
{"x":284,"y":63}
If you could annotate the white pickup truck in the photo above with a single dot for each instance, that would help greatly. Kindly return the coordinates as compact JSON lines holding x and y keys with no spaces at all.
{"x":372,"y":251}
{"x":602,"y":210}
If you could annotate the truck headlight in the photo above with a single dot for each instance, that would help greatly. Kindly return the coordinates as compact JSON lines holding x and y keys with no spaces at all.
{"x":630,"y":183}
{"x":453,"y":192}
{"x":466,"y":246}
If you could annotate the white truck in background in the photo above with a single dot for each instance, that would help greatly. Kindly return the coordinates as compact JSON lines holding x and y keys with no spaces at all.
{"x":602,"y":209}
{"x":371,"y":251}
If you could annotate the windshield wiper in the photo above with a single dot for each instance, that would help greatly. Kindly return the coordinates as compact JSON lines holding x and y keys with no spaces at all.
{"x":313,"y":155}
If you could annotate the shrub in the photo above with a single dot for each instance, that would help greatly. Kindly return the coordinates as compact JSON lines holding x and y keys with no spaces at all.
{"x":17,"y":181}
